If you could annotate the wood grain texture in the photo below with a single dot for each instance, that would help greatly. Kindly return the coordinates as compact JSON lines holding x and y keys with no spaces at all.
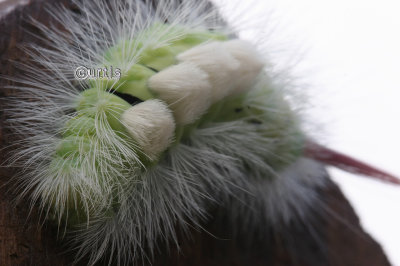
{"x":24,"y":242}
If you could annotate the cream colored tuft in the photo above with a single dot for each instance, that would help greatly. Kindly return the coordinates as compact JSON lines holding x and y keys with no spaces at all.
{"x":151,"y":125}
{"x":251,"y":64}
{"x":186,"y":89}
{"x":217,"y":62}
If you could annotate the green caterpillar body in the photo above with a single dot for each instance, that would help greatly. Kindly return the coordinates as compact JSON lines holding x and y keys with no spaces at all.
{"x":80,"y":134}
{"x":196,"y":119}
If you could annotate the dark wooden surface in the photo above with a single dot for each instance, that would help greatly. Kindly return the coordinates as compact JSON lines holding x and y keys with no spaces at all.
{"x":342,"y":242}
{"x":24,"y":242}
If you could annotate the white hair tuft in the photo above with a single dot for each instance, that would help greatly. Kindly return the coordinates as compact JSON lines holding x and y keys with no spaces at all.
{"x":251,"y":64}
{"x":186,"y":89}
{"x":217,"y":62}
{"x":151,"y":125}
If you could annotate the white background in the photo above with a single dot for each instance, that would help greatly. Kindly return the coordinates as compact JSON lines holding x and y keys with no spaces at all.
{"x":348,"y":53}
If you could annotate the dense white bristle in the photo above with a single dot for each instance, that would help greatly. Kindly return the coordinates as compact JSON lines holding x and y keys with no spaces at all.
{"x":217,"y":62}
{"x":251,"y":63}
{"x":186,"y":89}
{"x":151,"y":125}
